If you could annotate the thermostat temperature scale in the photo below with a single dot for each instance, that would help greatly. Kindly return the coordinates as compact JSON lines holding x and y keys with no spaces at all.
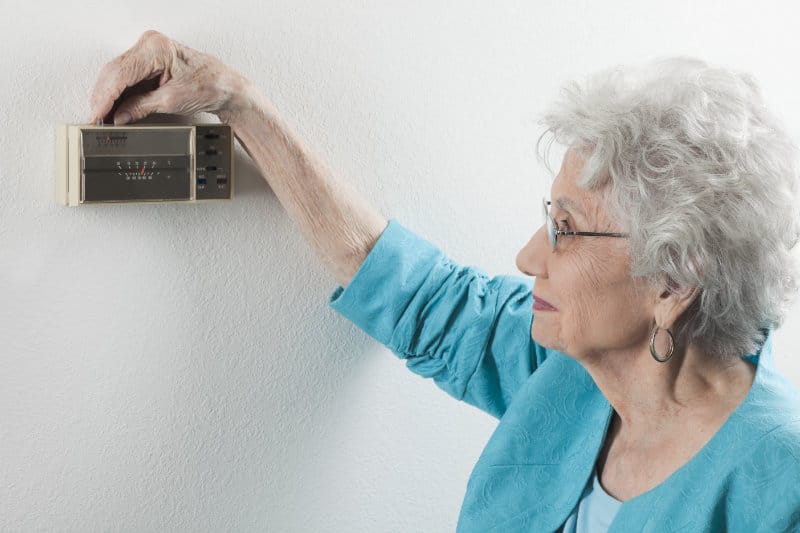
{"x":135,"y":164}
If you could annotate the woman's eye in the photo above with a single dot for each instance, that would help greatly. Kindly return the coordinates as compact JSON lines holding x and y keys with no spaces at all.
{"x":563,"y":225}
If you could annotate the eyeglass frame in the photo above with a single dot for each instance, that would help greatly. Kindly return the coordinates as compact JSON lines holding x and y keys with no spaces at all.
{"x":553,"y":232}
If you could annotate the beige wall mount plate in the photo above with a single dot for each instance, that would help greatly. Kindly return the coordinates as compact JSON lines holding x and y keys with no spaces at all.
{"x":143,"y":163}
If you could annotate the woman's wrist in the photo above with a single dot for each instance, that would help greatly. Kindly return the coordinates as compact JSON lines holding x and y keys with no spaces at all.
{"x":245,"y":100}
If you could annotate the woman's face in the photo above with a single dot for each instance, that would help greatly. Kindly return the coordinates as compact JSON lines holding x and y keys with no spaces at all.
{"x":598,"y":307}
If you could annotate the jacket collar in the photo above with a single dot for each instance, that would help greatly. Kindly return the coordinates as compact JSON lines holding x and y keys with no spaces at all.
{"x":536,"y":465}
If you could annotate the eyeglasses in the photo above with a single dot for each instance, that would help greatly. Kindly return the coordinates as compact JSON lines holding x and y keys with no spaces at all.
{"x":553,"y":232}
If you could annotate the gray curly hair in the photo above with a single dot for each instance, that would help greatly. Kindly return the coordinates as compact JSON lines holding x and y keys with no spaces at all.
{"x":704,"y":179}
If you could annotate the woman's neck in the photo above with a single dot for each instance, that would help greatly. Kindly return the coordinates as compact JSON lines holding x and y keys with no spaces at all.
{"x":649,"y":396}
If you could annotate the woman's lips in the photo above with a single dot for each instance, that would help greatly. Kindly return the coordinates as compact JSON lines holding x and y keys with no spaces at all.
{"x":542,"y":305}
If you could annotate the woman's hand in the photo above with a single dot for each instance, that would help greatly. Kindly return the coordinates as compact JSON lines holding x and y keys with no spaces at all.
{"x":183,"y":81}
{"x":339,"y":224}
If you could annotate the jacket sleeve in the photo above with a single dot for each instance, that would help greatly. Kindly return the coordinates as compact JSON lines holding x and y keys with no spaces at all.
{"x":469,"y":332}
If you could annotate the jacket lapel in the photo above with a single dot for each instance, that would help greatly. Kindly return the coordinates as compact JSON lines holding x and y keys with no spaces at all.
{"x":536,"y":464}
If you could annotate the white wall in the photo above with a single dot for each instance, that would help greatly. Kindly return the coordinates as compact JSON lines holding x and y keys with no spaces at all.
{"x":177,"y":367}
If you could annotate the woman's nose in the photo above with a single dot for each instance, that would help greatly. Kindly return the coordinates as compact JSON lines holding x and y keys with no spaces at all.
{"x":532,"y":258}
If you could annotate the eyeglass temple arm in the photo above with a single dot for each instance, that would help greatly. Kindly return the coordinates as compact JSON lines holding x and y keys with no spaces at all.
{"x":591,"y":233}
{"x":587,"y":233}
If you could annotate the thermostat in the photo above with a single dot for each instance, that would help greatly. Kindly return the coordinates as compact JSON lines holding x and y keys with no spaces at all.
{"x":143,"y":163}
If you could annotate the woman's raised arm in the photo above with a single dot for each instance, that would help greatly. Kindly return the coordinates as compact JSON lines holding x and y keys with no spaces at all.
{"x":341,"y":226}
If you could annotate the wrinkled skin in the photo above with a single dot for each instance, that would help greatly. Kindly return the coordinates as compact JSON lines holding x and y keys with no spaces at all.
{"x":189,"y":82}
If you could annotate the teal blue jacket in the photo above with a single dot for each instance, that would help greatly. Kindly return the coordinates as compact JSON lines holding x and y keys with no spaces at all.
{"x":471,"y":334}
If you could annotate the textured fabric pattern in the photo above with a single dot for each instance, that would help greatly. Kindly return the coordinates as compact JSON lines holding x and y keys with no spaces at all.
{"x":471,"y":335}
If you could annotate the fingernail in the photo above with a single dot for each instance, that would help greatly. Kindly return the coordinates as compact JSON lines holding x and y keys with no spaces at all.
{"x":122,"y":118}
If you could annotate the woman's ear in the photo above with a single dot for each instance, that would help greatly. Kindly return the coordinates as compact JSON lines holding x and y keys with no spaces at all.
{"x":673,"y":302}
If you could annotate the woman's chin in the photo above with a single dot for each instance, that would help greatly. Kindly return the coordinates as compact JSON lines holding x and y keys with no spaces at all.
{"x":541,"y":336}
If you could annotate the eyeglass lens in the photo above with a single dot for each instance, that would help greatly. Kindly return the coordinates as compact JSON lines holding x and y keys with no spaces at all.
{"x":551,"y":228}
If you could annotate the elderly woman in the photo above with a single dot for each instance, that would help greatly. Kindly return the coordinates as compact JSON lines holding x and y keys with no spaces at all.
{"x":634,"y":379}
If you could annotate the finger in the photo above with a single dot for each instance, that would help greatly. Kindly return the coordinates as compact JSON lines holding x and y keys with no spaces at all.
{"x":139,"y":106}
{"x":140,"y":88}
{"x":147,"y":58}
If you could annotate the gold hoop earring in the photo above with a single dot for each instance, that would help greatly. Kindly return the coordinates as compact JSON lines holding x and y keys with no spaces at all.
{"x":657,"y":356}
